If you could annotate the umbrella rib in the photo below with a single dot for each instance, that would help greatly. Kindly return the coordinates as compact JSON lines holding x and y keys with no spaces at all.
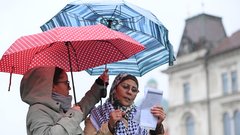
{"x":40,"y":52}
{"x":120,"y":12}
{"x":95,"y":12}
{"x":115,"y":11}
{"x":122,"y":20}
{"x":70,"y":15}
{"x":132,"y":18}
{"x":148,"y":35}
{"x":114,"y":47}
{"x":44,"y":48}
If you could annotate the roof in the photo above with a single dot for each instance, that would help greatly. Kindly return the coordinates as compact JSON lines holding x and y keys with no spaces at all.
{"x":228,"y":44}
{"x":201,"y":31}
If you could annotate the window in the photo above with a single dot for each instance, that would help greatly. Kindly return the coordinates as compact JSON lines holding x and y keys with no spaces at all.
{"x":234,"y":81}
{"x":226,"y":124}
{"x":186,"y":90}
{"x":189,"y":125}
{"x":237,"y":122}
{"x":225,"y":83}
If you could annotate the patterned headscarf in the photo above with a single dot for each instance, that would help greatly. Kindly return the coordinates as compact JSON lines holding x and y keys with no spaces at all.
{"x":118,"y":79}
{"x":116,"y":104}
{"x":101,"y":114}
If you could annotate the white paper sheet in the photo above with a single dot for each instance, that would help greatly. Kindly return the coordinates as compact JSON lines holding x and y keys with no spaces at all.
{"x":152,"y":97}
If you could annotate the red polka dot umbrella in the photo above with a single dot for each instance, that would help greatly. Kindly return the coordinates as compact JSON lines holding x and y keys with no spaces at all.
{"x":70,"y":48}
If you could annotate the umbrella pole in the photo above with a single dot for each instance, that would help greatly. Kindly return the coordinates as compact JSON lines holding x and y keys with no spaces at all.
{"x":104,"y":92}
{"x":70,"y":64}
{"x":104,"y":84}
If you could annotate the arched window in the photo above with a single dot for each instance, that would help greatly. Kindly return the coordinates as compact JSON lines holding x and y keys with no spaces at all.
{"x":237,"y":122}
{"x":226,"y":124}
{"x":190,"y":126}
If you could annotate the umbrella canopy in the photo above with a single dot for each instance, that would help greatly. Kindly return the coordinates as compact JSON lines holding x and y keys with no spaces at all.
{"x":87,"y":47}
{"x":70,"y":48}
{"x":124,"y":17}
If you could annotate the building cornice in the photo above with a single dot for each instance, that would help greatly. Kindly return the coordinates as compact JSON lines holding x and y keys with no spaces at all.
{"x":188,"y":61}
{"x":226,"y":100}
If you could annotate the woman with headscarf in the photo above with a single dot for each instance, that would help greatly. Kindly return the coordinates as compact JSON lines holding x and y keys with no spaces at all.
{"x":46,"y":90}
{"x":116,"y":115}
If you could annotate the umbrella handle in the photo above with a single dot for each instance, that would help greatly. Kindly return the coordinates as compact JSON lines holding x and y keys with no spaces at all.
{"x":104,"y":91}
{"x":10,"y":79}
{"x":104,"y":84}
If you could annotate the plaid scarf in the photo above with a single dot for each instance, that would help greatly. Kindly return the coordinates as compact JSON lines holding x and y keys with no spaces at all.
{"x":101,"y":114}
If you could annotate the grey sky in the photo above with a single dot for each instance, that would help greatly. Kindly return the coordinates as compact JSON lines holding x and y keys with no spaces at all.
{"x":23,"y":17}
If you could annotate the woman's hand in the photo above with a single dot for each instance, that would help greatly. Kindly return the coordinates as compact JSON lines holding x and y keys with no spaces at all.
{"x":104,"y":76}
{"x":158,"y":112}
{"x":115,"y":116}
{"x":76,"y":107}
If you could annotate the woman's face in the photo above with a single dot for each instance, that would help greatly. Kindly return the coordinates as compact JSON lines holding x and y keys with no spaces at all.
{"x":126,"y":92}
{"x":62,"y":86}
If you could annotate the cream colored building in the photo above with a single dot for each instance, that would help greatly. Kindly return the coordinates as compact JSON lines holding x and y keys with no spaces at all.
{"x":204,"y":83}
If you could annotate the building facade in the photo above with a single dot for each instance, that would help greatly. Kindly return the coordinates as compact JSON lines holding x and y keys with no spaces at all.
{"x":204,"y":83}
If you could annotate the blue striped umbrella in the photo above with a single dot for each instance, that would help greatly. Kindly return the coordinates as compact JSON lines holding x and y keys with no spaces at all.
{"x":138,"y":23}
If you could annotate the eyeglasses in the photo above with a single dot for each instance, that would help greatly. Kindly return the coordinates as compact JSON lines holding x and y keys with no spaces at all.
{"x":127,"y":87}
{"x":65,"y":82}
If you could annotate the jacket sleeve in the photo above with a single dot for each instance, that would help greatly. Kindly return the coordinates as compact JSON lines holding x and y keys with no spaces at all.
{"x":92,"y":97}
{"x":40,"y":122}
{"x":158,"y":131}
{"x":89,"y":129}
